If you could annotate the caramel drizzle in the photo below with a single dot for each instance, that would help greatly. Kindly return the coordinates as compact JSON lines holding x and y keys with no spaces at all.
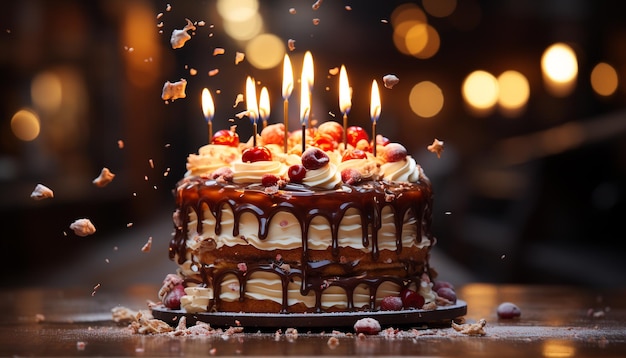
{"x":305,"y":204}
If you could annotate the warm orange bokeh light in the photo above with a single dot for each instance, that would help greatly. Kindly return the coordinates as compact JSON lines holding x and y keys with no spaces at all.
{"x":604,"y":79}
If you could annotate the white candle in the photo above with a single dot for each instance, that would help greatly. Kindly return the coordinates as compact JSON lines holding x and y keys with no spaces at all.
{"x":375,"y":108}
{"x":264,"y":105}
{"x":208,"y":108}
{"x":345,"y":102}
{"x":251,"y":105}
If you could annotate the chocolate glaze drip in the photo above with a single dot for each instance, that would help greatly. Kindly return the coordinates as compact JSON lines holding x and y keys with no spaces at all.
{"x":305,"y":203}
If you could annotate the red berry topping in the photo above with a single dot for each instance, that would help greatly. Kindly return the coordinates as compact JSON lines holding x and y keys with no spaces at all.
{"x":411,"y":299}
{"x":508,"y":310}
{"x":395,"y":152}
{"x":439,"y":284}
{"x":391,"y":303}
{"x":353,"y":154}
{"x":256,"y":154}
{"x":350,"y":176}
{"x":447,"y":293}
{"x":314,"y":158}
{"x":333,"y":129}
{"x":380,"y":140}
{"x":354,"y":134}
{"x":269,"y":180}
{"x":296,"y":173}
{"x":225,"y":137}
{"x":172,"y":299}
{"x":367,"y":325}
{"x":324,"y":142}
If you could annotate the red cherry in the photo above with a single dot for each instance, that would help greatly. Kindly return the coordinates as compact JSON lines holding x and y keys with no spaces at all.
{"x":395,"y":152}
{"x":296,"y":173}
{"x":314,"y":158}
{"x":447,"y":293}
{"x":381,"y":140}
{"x":333,"y":129}
{"x":172,"y":299}
{"x":508,"y":310}
{"x":391,"y":303}
{"x":353,"y":154}
{"x":256,"y":154}
{"x":269,"y":180}
{"x":440,"y":284}
{"x":411,"y":299}
{"x":354,"y":134}
{"x":324,"y":142}
{"x":351,"y":176}
{"x":225,"y":137}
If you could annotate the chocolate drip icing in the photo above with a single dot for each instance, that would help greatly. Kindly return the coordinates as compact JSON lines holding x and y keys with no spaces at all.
{"x":199,"y":194}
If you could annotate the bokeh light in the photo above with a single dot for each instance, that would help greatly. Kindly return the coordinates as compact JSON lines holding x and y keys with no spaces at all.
{"x":244,"y":30}
{"x":604,"y":79}
{"x":265,"y":51}
{"x":514,"y":91}
{"x":25,"y":125}
{"x":480,"y":90}
{"x":439,"y":8}
{"x":46,"y":91}
{"x":559,"y":67}
{"x":237,"y":10}
{"x":426,"y":99}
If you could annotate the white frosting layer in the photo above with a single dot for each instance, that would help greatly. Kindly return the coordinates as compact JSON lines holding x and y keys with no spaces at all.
{"x":210,"y":158}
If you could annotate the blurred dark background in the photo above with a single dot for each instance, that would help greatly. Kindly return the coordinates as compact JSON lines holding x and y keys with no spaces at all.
{"x":536,"y":196}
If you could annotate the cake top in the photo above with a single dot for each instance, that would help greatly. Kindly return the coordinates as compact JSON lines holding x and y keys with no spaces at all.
{"x":325,"y":163}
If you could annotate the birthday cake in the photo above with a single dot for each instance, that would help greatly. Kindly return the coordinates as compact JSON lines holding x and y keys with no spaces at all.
{"x":278,"y":229}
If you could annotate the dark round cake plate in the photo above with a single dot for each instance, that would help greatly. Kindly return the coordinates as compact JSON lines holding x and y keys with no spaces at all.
{"x":258,"y":321}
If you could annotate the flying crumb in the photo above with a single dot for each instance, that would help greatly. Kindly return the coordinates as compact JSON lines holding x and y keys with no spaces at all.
{"x":159,"y":15}
{"x":201,"y":23}
{"x":83,"y":227}
{"x":104,"y":178}
{"x":239,"y":56}
{"x":390,"y":80}
{"x":120,"y":144}
{"x":317,"y":5}
{"x":292,"y":11}
{"x":168,"y":7}
{"x":151,"y":162}
{"x":291,"y":44}
{"x":333,"y":71}
{"x":348,"y":7}
{"x":129,"y":225}
{"x":214,"y":72}
{"x":41,"y":192}
{"x":147,"y":246}
{"x":238,"y":100}
{"x":193,"y":71}
{"x":384,"y":21}
{"x":218,"y":51}
{"x":436,"y":147}
{"x":95,"y":288}
{"x":174,"y":90}
{"x":180,"y":37}
{"x":316,"y":21}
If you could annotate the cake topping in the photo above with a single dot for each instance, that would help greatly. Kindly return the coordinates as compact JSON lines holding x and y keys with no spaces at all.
{"x":83,"y":227}
{"x":314,"y":158}
{"x":256,"y":154}
{"x":41,"y":192}
{"x":225,"y":137}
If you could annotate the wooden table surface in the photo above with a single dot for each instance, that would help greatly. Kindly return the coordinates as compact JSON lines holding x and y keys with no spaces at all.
{"x":555,"y":322}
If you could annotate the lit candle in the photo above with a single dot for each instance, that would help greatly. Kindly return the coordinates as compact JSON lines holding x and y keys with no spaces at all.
{"x":208,"y":108}
{"x":305,"y":101}
{"x":375,"y":108}
{"x":309,"y":71}
{"x":287,"y":88}
{"x":264,"y":105}
{"x":251,"y":106}
{"x":345,"y":102}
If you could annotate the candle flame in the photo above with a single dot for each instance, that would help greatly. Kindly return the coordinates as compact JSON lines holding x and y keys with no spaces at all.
{"x":264,"y":104}
{"x":208,"y":108}
{"x":305,"y":100}
{"x":308,"y":70}
{"x":345,"y":102}
{"x":375,"y":106}
{"x":287,"y":78}
{"x":251,"y":104}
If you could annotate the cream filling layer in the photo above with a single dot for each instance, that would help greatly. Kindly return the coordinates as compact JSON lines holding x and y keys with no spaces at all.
{"x":284,"y":231}
{"x":268,"y":286}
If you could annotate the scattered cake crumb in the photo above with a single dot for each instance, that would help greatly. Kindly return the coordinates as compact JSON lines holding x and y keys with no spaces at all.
{"x":180,"y":37}
{"x":104,"y":178}
{"x":39,"y":317}
{"x":174,"y":90}
{"x":333,"y":342}
{"x":83,"y":227}
{"x":436,"y":147}
{"x":471,"y":329}
{"x":239,"y":56}
{"x":41,"y":192}
{"x":147,"y":246}
{"x":390,"y":80}
{"x":291,"y":44}
{"x":218,"y":51}
{"x":120,"y":144}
